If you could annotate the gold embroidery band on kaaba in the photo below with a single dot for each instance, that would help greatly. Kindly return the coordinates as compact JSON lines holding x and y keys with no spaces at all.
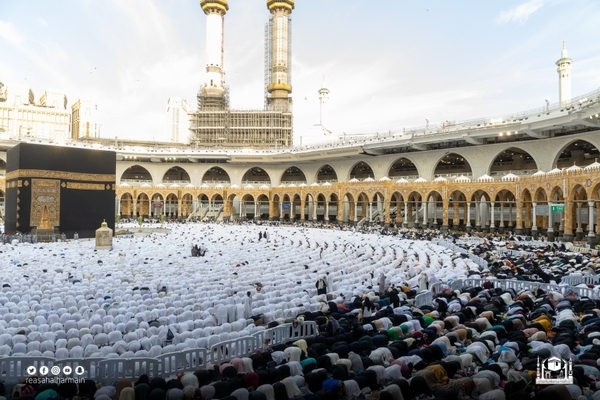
{"x":85,"y":186}
{"x":72,"y":176}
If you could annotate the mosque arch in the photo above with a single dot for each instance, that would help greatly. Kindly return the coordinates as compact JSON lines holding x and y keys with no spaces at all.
{"x":326,"y":174}
{"x":187,"y":203}
{"x":452,"y":164}
{"x":2,"y":165}
{"x":296,"y":209}
{"x":126,"y":205}
{"x":361,"y":171}
{"x":433,"y":208}
{"x":142,"y":205}
{"x":457,"y":209}
{"x":396,"y":211}
{"x":216,"y":175}
{"x":346,"y":211}
{"x":176,"y":174}
{"x":512,"y":160}
{"x":403,"y":167}
{"x":248,"y":209}
{"x":157,"y":205}
{"x":262,"y":207}
{"x":136,"y":174}
{"x":414,"y":209}
{"x":255,"y":175}
{"x":576,"y":152}
{"x":332,"y":205}
{"x":171,"y":209}
{"x":275,"y":207}
{"x":294,"y":175}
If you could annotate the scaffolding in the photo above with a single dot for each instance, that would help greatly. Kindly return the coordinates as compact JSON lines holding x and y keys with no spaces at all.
{"x":248,"y":129}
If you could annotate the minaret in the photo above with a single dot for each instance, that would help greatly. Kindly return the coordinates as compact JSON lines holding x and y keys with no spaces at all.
{"x":213,"y":93}
{"x":565,"y":66}
{"x":323,"y":97}
{"x":279,"y":87}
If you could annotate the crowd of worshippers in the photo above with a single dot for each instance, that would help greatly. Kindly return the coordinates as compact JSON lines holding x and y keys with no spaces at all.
{"x":199,"y":251}
{"x":475,"y":343}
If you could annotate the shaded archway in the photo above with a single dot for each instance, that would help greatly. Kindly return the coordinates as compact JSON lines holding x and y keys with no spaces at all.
{"x":142,"y":206}
{"x":216,"y":175}
{"x":171,"y":206}
{"x":513,"y":160}
{"x":457,"y":210}
{"x":414,"y":210}
{"x":262,"y":207}
{"x":361,"y":171}
{"x":136,"y":174}
{"x":157,"y":205}
{"x":326,"y":174}
{"x":126,"y":206}
{"x":480,"y":204}
{"x":452,"y":165}
{"x":579,"y":152}
{"x":293,"y":175}
{"x":187,"y":202}
{"x":505,"y":210}
{"x":403,"y":168}
{"x":255,"y":175}
{"x":176,"y":175}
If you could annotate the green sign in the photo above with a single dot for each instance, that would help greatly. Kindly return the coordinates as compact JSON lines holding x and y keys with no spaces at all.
{"x":558,"y":208}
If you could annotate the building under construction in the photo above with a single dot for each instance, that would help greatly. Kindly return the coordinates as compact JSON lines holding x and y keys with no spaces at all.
{"x":214,"y":124}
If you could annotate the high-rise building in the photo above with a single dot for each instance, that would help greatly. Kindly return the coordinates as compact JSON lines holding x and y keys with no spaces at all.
{"x":84,"y":120}
{"x":178,"y":120}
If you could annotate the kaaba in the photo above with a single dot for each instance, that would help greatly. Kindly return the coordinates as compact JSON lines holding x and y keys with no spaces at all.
{"x":59,"y":189}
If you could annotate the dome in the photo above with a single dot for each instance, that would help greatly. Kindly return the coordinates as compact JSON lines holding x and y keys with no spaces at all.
{"x":401,"y":180}
{"x":594,"y":165}
{"x":249,"y":187}
{"x":420,"y":180}
{"x":264,"y":187}
{"x":555,"y":171}
{"x":462,"y":178}
{"x":146,"y":185}
{"x":204,"y":186}
{"x":219,"y":186}
{"x":189,"y":186}
{"x":125,"y":184}
{"x":303,"y":185}
{"x":384,"y":179}
{"x":281,"y":185}
{"x":161,"y":186}
{"x":539,"y":173}
{"x":510,"y":177}
{"x":353,"y":180}
{"x":314,"y":184}
{"x":440,"y":179}
{"x":292,"y":185}
{"x":369,"y":179}
{"x":234,"y":186}
{"x":485,"y":178}
{"x":174,"y":186}
{"x":326,"y":184}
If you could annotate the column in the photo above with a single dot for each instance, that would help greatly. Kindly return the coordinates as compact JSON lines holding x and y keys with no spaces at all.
{"x":568,"y":221}
{"x":424,"y":206}
{"x":502,"y":217}
{"x":281,"y":210}
{"x":326,"y":216}
{"x":455,"y":215}
{"x":468,"y":216}
{"x":492,"y":221}
{"x":533,"y":219}
{"x":302,"y":206}
{"x":519,"y":218}
{"x":579,"y":231}
{"x":445,"y":211}
{"x":370,"y":212}
{"x":478,"y":214}
{"x":340,"y":211}
{"x":355,"y":211}
{"x":591,"y":219}
{"x":405,"y":219}
{"x":314,"y":213}
{"x":510,"y":221}
{"x":550,"y":223}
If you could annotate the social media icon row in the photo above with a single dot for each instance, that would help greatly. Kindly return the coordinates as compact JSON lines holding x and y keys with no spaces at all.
{"x":66,"y":370}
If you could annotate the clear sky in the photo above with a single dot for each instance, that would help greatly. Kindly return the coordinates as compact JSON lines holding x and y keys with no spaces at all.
{"x":389,"y":64}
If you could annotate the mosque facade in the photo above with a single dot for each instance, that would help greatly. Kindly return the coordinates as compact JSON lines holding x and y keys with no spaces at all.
{"x":531,"y":172}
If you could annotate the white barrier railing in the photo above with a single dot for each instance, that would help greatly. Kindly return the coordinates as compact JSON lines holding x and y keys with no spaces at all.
{"x":423,"y":298}
{"x":107,"y":371}
{"x":112,"y":370}
{"x":15,"y":368}
{"x":177,"y":362}
{"x":229,"y":349}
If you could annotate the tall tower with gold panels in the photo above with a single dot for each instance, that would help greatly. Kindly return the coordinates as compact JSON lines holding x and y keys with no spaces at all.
{"x":279,"y":86}
{"x":213,"y":94}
